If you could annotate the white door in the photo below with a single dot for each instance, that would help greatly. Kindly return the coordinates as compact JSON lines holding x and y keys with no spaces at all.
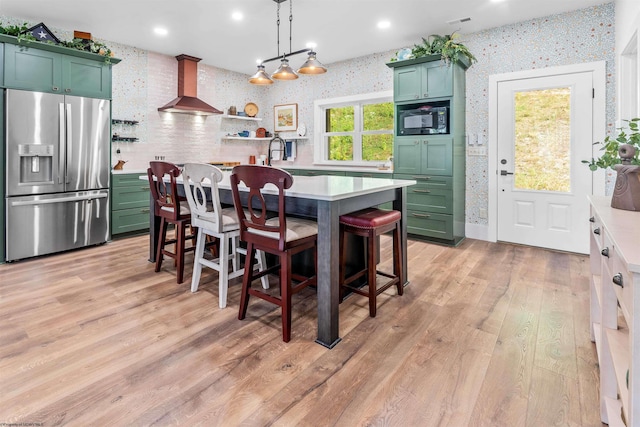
{"x":544,"y":133}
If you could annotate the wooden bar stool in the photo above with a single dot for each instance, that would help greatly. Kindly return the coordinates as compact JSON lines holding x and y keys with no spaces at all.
{"x":369,"y":224}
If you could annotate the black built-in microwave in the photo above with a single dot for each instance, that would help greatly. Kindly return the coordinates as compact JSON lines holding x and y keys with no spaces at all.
{"x":424,"y":120}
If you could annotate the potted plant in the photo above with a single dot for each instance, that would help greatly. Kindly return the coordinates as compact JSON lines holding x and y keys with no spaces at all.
{"x":622,"y":154}
{"x":448,"y":47}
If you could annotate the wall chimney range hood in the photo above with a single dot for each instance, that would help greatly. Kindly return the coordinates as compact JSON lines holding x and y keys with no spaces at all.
{"x":187,"y":101}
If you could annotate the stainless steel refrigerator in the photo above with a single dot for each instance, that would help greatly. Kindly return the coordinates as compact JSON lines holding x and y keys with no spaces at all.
{"x":57,"y":172}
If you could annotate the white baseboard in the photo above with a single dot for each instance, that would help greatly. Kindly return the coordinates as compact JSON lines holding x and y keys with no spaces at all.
{"x":477,"y":231}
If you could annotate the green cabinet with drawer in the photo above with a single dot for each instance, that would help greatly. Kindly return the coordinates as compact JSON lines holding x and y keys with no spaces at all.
{"x":436,"y":204}
{"x":318,"y":172}
{"x":129,"y":204}
{"x":30,"y":68}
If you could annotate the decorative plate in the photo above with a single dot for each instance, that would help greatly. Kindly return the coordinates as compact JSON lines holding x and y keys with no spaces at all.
{"x":302,"y":129}
{"x":251,"y":109}
{"x":261,"y":132}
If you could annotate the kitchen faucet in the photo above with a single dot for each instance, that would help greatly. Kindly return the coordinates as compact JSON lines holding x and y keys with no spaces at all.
{"x":280,"y":148}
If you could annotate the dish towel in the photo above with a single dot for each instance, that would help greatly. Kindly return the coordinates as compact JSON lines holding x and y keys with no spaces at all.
{"x":290,"y":150}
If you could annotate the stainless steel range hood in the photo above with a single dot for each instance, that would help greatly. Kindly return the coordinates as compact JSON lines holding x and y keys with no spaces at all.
{"x":187,"y":101}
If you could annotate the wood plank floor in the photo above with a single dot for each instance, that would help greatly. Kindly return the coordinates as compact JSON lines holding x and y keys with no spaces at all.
{"x":486,"y":334}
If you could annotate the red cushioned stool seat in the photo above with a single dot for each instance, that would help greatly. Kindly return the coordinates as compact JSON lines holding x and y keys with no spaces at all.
{"x":370,"y":224}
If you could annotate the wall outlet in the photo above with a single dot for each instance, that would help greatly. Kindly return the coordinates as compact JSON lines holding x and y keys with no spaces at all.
{"x":477,"y":151}
{"x":482,"y":213}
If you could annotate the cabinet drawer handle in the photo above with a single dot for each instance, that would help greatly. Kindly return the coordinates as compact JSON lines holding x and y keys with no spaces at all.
{"x":617,"y":280}
{"x":605,"y":252}
{"x":422,"y":191}
{"x":67,"y":90}
{"x":596,"y":231}
{"x":144,"y":188}
{"x":421,"y":215}
{"x":426,"y":95}
{"x":592,"y":219}
{"x":144,"y":210}
{"x":55,"y":88}
{"x":421,"y":177}
{"x":416,"y":96}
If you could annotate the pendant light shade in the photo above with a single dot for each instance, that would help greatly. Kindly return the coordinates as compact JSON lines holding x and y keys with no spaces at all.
{"x":312,"y":65}
{"x":260,"y":77}
{"x":284,"y":72}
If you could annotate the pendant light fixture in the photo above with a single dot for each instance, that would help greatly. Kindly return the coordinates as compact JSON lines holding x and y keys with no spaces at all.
{"x":284,"y":71}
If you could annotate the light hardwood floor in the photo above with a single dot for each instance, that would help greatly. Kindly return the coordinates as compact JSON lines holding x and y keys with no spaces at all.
{"x":486,"y":334}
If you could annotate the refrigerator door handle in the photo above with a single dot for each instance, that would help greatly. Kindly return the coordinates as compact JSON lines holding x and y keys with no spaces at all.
{"x":67,"y":180}
{"x":58,"y":200}
{"x":61,"y":144}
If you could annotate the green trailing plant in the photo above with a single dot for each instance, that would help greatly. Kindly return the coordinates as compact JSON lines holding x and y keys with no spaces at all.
{"x":448,"y":47}
{"x":610,"y":156}
{"x":22,"y":34}
{"x":19,"y":31}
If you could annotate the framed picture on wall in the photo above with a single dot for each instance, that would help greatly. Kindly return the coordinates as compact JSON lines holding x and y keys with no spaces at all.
{"x":285,"y":117}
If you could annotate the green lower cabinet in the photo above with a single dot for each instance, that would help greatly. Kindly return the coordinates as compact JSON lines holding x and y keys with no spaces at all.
{"x":128,"y":220}
{"x":429,"y":224}
{"x":317,"y":172}
{"x":129,"y":204}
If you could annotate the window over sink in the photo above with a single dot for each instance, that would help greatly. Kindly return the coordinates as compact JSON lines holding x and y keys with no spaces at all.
{"x":354,"y":130}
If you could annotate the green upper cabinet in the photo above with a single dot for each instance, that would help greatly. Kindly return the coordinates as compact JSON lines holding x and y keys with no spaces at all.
{"x":85,"y":77}
{"x":32,"y":69}
{"x":420,"y":81}
{"x":41,"y":70}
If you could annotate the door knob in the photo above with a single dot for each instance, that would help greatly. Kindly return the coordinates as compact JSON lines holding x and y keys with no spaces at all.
{"x":505,"y":173}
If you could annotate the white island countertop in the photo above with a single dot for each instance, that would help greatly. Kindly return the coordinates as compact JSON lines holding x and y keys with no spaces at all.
{"x":326,"y":187}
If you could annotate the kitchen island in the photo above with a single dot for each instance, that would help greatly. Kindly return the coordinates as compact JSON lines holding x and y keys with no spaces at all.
{"x":324,"y":198}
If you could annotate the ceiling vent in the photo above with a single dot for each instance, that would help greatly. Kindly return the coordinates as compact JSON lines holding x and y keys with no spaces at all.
{"x":458,"y":21}
{"x":187,"y":101}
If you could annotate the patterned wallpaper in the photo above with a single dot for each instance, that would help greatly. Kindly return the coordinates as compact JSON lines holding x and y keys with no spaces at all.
{"x":585,"y":35}
{"x":144,"y":81}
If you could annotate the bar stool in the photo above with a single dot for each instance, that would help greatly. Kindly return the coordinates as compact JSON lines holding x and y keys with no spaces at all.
{"x":282,"y":236}
{"x":172,"y":209}
{"x":211,"y":219}
{"x":369,"y":224}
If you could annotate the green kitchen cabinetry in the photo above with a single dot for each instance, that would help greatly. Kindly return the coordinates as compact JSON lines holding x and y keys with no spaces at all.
{"x":424,"y":155}
{"x":421,"y":81}
{"x":129,"y":204}
{"x":318,"y":172}
{"x":436,"y":204}
{"x":2,"y":188}
{"x":44,"y":70}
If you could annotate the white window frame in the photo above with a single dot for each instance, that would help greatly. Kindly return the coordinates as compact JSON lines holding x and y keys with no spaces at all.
{"x":321,"y":148}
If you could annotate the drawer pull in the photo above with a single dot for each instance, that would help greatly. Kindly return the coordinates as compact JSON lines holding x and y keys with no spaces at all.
{"x":421,"y":215}
{"x":144,"y":188}
{"x":144,"y":210}
{"x":592,"y":219}
{"x":617,"y":280}
{"x":605,"y":252}
{"x":420,"y":177}
{"x":422,"y":191}
{"x":597,"y":231}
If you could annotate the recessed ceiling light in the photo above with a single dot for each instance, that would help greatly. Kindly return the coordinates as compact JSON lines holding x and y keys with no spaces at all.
{"x":237,"y":16}
{"x":383,"y":25}
{"x":160,"y":31}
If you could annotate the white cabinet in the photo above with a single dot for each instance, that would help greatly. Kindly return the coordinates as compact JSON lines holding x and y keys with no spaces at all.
{"x":615,"y":309}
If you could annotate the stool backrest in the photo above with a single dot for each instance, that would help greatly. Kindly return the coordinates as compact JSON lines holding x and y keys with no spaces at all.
{"x":165,"y":194}
{"x":197,"y":176}
{"x":254,"y":226}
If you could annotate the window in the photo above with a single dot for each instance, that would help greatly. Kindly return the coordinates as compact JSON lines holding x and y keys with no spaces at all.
{"x":354,"y":130}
